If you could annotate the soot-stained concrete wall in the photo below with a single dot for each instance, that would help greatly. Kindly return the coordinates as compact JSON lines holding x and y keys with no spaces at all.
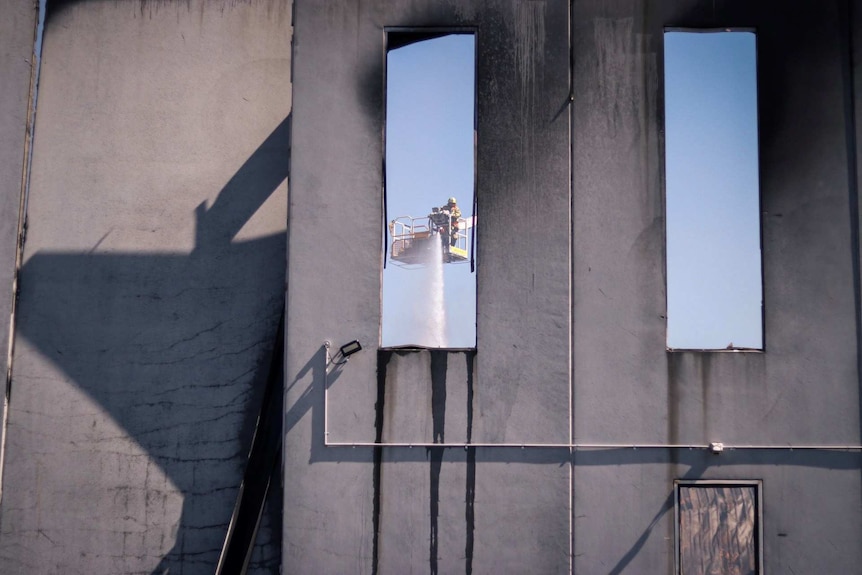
{"x":153,"y":282}
{"x":382,"y":510}
{"x":595,"y":369}
{"x":808,"y":373}
{"x":152,"y":285}
{"x":804,"y":388}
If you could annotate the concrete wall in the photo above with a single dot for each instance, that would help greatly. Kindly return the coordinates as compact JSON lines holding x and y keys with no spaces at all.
{"x":595,"y":360}
{"x":409,"y":509}
{"x":804,"y":389}
{"x":153,"y":282}
{"x":152,"y":285}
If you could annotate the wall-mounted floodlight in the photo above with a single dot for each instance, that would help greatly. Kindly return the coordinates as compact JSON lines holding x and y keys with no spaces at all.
{"x":344,"y":352}
{"x":349,"y":349}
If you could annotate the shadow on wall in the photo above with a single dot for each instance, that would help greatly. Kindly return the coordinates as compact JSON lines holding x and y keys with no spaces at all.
{"x":685,"y":464}
{"x":176,"y":350}
{"x":700,"y":464}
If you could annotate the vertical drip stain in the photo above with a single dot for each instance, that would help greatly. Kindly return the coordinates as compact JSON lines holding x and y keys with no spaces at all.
{"x":439,"y":364}
{"x":468,"y":510}
{"x":383,"y":358}
{"x":471,"y":356}
{"x":436,"y":454}
{"x":470,"y":495}
{"x":673,"y":379}
{"x":705,"y":374}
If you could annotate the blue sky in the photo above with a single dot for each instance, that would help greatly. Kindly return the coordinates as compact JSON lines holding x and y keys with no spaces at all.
{"x":714,"y":285}
{"x":430,"y":107}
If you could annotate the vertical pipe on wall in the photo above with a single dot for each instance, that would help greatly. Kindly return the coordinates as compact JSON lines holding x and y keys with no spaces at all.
{"x":570,"y":106}
{"x":35,"y":69}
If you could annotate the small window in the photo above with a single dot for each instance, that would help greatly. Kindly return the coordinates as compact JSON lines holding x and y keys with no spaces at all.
{"x":429,"y":288}
{"x":718,"y":528}
{"x":714,"y":279}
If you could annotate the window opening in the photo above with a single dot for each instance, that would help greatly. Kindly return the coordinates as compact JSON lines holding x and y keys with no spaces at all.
{"x":718,"y":527}
{"x":714,"y":277}
{"x":429,"y":292}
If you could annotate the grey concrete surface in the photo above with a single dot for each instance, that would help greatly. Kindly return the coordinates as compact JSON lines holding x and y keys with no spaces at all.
{"x":427,"y":399}
{"x":804,"y":389}
{"x":152,"y":285}
{"x":623,"y":518}
{"x":809,"y":372}
{"x":522,"y":299}
{"x":522,"y":284}
{"x":17,"y":34}
{"x":522,"y":510}
{"x":527,"y":509}
{"x":154,"y":270}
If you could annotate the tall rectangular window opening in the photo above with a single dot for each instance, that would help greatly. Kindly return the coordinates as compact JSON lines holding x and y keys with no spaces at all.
{"x":718,"y":527}
{"x":429,"y":290}
{"x":714,"y":276}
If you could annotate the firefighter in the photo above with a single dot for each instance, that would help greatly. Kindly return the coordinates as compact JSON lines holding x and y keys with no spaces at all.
{"x":454,"y":214}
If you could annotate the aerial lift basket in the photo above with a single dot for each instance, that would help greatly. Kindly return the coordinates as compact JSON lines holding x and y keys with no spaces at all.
{"x":412,"y":239}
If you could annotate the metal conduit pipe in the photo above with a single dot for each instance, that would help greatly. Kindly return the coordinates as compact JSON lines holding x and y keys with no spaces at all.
{"x":714,"y":447}
{"x":592,"y":446}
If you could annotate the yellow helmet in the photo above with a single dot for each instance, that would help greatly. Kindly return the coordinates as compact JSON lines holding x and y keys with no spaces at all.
{"x":452,"y":201}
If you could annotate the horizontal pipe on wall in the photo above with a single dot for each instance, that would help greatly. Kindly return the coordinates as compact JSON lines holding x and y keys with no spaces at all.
{"x":576,"y":446}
